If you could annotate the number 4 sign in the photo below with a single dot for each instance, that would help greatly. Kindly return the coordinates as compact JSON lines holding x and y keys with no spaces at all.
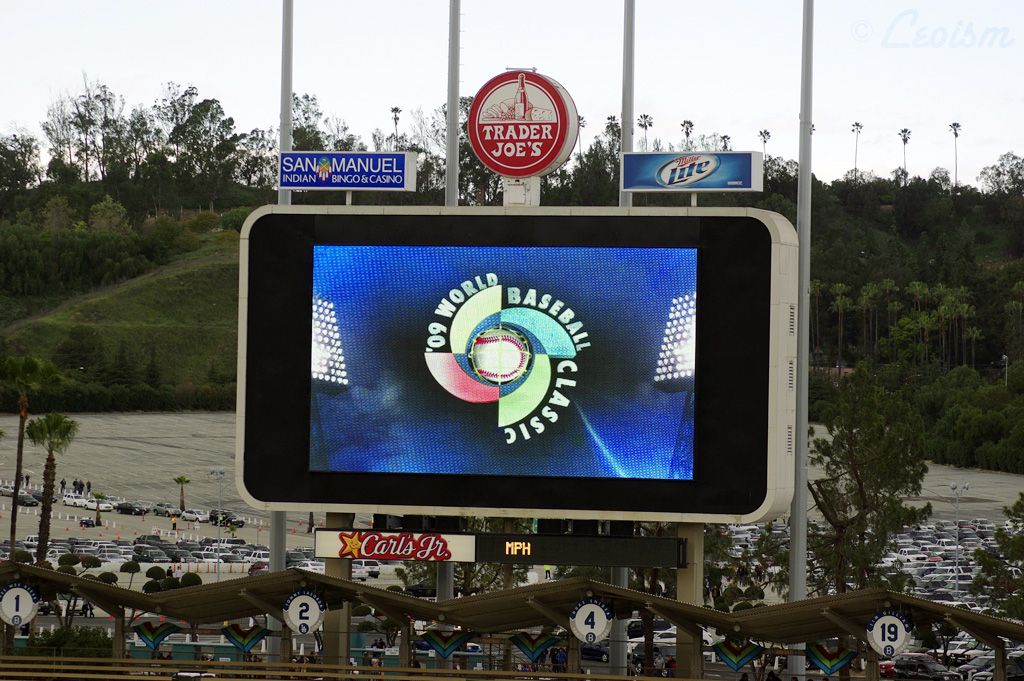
{"x":304,"y":611}
{"x":889,"y":632}
{"x":591,"y":620}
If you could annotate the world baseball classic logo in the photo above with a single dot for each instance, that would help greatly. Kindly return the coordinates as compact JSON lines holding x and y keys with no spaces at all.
{"x":514,"y":346}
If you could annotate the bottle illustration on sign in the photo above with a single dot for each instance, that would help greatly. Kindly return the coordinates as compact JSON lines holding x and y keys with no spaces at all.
{"x":518,"y":107}
{"x":521,"y":102}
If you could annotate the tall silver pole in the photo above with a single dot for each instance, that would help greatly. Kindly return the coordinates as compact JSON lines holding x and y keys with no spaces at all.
{"x":620,"y":575}
{"x":284,"y":198}
{"x":628,"y":31}
{"x":798,"y":510}
{"x":451,"y":164}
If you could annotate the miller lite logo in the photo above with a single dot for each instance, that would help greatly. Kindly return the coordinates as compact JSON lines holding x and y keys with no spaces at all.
{"x":687,"y":169}
{"x":523,"y":124}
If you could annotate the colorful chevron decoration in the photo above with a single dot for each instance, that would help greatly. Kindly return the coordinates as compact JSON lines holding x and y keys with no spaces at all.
{"x":1020,"y":661}
{"x":445,"y":643}
{"x":830,"y":661}
{"x":736,"y":655}
{"x":244,"y":639}
{"x":152,"y":635}
{"x":533,"y":646}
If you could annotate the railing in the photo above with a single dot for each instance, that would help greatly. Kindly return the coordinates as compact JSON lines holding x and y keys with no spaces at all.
{"x":103,"y":669}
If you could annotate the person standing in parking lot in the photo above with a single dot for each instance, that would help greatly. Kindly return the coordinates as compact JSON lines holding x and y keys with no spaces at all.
{"x":63,"y":484}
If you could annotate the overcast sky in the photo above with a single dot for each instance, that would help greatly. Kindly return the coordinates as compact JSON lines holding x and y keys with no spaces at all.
{"x":732,"y":67}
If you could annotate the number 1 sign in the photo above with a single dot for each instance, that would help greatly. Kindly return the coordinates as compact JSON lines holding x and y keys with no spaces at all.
{"x":889,"y":632}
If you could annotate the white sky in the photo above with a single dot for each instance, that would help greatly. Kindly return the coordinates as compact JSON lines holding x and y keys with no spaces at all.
{"x":731,"y":66}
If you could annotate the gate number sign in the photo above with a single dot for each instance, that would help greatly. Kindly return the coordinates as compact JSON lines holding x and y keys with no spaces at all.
{"x":889,"y":632}
{"x":591,"y":620}
{"x":19,"y":603}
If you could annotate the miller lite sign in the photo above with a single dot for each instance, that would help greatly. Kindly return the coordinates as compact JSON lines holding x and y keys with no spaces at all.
{"x":693,"y":171}
{"x":523,"y":124}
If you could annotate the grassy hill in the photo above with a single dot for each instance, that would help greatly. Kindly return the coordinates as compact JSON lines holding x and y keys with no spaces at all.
{"x":182,"y":317}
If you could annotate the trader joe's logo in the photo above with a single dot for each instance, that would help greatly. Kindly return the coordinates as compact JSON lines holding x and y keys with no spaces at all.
{"x":507,"y":344}
{"x":523,"y":124}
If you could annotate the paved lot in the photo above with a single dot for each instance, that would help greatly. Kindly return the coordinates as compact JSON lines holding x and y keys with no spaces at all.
{"x":138,"y":456}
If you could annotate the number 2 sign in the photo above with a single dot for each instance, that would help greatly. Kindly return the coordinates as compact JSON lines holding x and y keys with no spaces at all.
{"x":889,"y":632}
{"x":304,"y":611}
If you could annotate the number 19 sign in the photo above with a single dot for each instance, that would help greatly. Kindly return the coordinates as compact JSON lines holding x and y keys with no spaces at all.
{"x":889,"y":632}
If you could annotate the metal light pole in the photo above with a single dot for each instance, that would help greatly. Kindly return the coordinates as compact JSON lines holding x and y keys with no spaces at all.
{"x":219,"y":472}
{"x":1006,"y":371}
{"x":958,"y":492}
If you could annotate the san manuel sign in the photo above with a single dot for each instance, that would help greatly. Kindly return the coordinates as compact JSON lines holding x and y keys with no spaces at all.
{"x":348,"y":170}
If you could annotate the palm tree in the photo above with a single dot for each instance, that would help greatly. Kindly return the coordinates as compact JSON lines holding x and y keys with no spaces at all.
{"x":765,"y":136}
{"x":857,"y":127}
{"x":394,"y":116}
{"x":687,"y":127}
{"x":905,"y":136}
{"x":582,"y":124}
{"x":840,"y":305}
{"x":55,"y":433}
{"x":725,"y":142}
{"x":181,"y":481}
{"x":645,"y":121}
{"x":23,"y":374}
{"x":98,"y":496}
{"x":955,"y":129}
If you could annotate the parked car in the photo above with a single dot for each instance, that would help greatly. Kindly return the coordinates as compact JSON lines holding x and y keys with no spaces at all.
{"x":101,"y":504}
{"x":76,"y":500}
{"x":921,"y":668}
{"x":372,"y":567}
{"x":27,"y":500}
{"x":595,"y":651}
{"x":421,"y":590}
{"x":636,"y":658}
{"x":195,"y":516}
{"x":166,"y":509}
{"x":130,"y":508}
{"x":258,"y":568}
{"x":6,"y":490}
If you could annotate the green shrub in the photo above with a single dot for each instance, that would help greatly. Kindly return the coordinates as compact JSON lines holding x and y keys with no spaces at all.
{"x":191,"y":579}
{"x":203,"y":223}
{"x":234,"y":219}
{"x":156,"y":572}
{"x":151,"y":587}
{"x":69,"y":642}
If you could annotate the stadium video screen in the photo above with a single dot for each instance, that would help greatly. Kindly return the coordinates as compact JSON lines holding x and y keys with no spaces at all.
{"x":594,"y":364}
{"x":492,"y":360}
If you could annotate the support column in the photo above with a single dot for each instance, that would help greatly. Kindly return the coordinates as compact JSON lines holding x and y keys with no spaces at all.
{"x":573,"y":659}
{"x":120,"y":647}
{"x":286,"y":644}
{"x":690,"y":589}
{"x":870,"y":665}
{"x":617,"y":644}
{"x":337,"y":622}
{"x":508,"y":581}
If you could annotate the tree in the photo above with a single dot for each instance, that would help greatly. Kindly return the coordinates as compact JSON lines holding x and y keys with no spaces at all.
{"x":24,"y":375}
{"x":857,"y":127}
{"x":54,"y":432}
{"x":19,"y":168}
{"x":840,"y":304}
{"x":872,"y":460}
{"x":132,"y":568}
{"x":181,"y":481}
{"x":687,"y":126}
{"x":765,"y":136}
{"x":645,"y":122}
{"x":1000,"y":577}
{"x":98,"y":496}
{"x":395,"y":111}
{"x":955,"y":129}
{"x":905,"y":136}
{"x":207,"y":147}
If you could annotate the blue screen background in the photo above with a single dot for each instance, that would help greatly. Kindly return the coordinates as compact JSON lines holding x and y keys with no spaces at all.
{"x":395,"y":417}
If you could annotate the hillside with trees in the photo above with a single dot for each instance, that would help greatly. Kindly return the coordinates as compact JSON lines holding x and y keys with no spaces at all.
{"x":118,"y":254}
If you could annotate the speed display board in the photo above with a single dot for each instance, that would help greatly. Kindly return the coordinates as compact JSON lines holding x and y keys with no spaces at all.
{"x":472,"y":362}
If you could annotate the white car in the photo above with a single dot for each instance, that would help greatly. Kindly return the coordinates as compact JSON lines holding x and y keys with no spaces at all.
{"x":195,"y":516}
{"x":103,"y":505}
{"x":76,"y":500}
{"x":310,"y":566}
